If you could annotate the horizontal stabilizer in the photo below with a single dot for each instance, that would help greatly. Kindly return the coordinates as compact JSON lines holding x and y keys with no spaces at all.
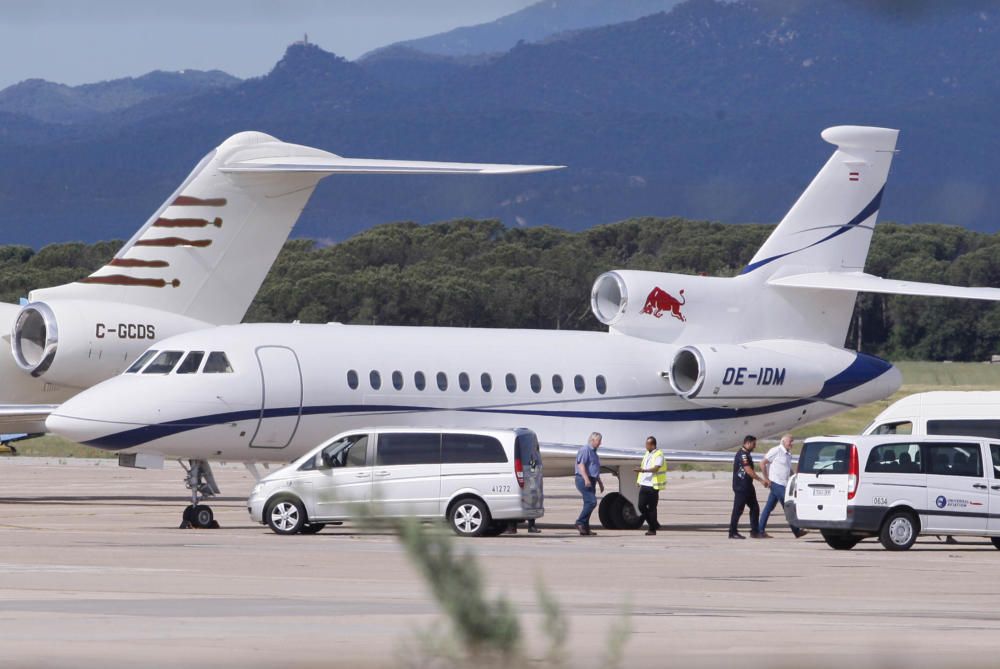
{"x":859,"y":282}
{"x":333,"y":164}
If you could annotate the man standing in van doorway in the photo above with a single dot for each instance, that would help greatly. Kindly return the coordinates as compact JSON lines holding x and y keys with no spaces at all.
{"x":743,"y":490}
{"x":652,"y":478}
{"x":777,"y":468}
{"x":588,"y":475}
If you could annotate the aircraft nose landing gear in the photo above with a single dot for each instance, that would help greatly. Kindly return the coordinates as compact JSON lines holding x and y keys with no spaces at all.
{"x":201,"y":482}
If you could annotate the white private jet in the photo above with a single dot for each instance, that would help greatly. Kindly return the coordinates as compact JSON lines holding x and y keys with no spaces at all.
{"x":697,"y":361}
{"x":196,"y":263}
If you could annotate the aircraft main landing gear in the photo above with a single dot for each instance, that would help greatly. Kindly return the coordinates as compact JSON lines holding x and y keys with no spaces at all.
{"x":201,"y":482}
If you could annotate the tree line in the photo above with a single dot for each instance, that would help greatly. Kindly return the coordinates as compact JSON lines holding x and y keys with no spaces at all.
{"x":470,"y":273}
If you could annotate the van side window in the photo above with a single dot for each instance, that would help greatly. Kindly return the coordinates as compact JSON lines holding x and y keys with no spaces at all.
{"x":466,"y":448}
{"x":983,"y":427}
{"x":897,"y":458}
{"x":341,"y":453}
{"x":953,"y":459}
{"x":357,"y":453}
{"x":191,"y":363}
{"x":408,"y":449}
{"x":900,"y":427}
{"x":217,"y":363}
{"x":995,"y":453}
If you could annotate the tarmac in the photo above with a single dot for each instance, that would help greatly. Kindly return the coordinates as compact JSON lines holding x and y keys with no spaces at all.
{"x":95,"y":573}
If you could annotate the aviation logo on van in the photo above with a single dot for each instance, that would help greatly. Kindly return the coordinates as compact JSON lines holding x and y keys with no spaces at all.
{"x":943,"y":502}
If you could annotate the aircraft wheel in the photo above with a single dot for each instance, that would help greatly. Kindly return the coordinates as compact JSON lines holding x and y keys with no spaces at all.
{"x":286,"y":516}
{"x":626,"y":517}
{"x":606,"y":511}
{"x":202,"y":517}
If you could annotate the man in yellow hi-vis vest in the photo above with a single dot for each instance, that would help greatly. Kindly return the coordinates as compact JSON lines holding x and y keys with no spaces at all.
{"x":652,"y":479}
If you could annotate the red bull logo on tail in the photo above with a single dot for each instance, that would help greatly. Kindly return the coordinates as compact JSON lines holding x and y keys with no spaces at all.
{"x":661,"y":302}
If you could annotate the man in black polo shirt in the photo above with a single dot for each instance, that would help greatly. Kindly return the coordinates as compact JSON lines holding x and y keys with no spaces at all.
{"x":744,"y":493}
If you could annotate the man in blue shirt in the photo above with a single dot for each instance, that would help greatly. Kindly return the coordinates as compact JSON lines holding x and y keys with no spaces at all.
{"x":588,"y":473}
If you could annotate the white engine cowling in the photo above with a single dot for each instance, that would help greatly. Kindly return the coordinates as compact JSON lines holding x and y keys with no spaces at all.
{"x":654,"y":305}
{"x":79,"y":343}
{"x":754,"y":374}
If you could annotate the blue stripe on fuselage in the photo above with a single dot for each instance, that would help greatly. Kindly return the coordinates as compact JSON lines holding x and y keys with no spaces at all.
{"x":863,"y":369}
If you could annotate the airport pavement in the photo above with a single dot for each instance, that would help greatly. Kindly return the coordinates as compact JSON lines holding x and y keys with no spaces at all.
{"x":94,"y":572}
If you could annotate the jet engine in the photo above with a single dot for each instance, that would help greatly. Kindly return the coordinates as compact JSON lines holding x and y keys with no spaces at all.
{"x":754,"y":374}
{"x":78,"y":343}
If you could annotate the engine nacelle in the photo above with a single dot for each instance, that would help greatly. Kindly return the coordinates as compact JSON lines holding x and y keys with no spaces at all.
{"x":652,"y":305}
{"x":78,"y":343}
{"x":754,"y":374}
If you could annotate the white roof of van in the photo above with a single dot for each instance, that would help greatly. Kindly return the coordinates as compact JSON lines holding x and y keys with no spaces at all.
{"x":944,"y":403}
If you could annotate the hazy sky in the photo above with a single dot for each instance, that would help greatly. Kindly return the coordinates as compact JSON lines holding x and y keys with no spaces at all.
{"x":81,"y":41}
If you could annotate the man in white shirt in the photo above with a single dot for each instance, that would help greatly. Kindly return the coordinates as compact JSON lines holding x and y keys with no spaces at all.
{"x":777,"y":467}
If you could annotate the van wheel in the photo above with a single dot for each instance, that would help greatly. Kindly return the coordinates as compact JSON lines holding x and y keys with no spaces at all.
{"x":469,"y":518}
{"x":286,"y":516}
{"x":899,"y":531}
{"x":840,"y":542}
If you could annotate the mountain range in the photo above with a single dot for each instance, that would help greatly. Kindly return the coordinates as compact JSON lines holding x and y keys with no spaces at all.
{"x":711,"y":110}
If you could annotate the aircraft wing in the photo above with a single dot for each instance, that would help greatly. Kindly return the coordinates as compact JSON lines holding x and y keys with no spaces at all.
{"x":24,"y":418}
{"x":860,"y":282}
{"x":562,"y":453}
{"x":333,"y":164}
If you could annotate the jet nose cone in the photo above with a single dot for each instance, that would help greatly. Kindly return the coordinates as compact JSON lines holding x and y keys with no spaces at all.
{"x":82,"y":419}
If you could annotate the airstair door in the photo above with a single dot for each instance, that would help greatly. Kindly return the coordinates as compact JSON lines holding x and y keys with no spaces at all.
{"x":281,"y":397}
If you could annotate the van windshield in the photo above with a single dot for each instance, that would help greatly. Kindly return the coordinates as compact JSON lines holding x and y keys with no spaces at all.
{"x":824,"y":457}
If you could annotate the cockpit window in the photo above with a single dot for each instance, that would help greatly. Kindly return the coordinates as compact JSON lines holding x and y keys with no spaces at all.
{"x":191,"y":363}
{"x":217,"y":363}
{"x":163,"y":363}
{"x":140,"y":361}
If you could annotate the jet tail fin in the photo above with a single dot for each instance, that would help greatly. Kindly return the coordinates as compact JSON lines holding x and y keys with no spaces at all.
{"x":830,"y":227}
{"x":208,"y":248}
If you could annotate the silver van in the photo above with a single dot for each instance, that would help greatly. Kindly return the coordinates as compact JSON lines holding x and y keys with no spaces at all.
{"x":478,"y":480}
{"x":896,"y":487}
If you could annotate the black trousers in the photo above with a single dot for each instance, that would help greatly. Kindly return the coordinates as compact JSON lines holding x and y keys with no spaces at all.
{"x":745,"y":498}
{"x":648,"y":499}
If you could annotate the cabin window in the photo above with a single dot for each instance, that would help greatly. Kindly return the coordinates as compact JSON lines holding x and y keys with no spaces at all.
{"x":487,"y":381}
{"x":163,"y":363}
{"x":419,"y":380}
{"x":397,"y":380}
{"x":217,"y":363}
{"x":140,"y":361}
{"x":536,"y":383}
{"x":442,"y":381}
{"x":557,"y":383}
{"x":579,"y":384}
{"x":602,"y":384}
{"x":511,"y":382}
{"x":191,"y":363}
{"x":375,"y":379}
{"x":463,"y":382}
{"x":352,"y":379}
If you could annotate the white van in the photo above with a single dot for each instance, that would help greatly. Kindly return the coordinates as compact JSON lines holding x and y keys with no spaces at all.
{"x":478,"y":480}
{"x":896,"y":487}
{"x":975,"y":413}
